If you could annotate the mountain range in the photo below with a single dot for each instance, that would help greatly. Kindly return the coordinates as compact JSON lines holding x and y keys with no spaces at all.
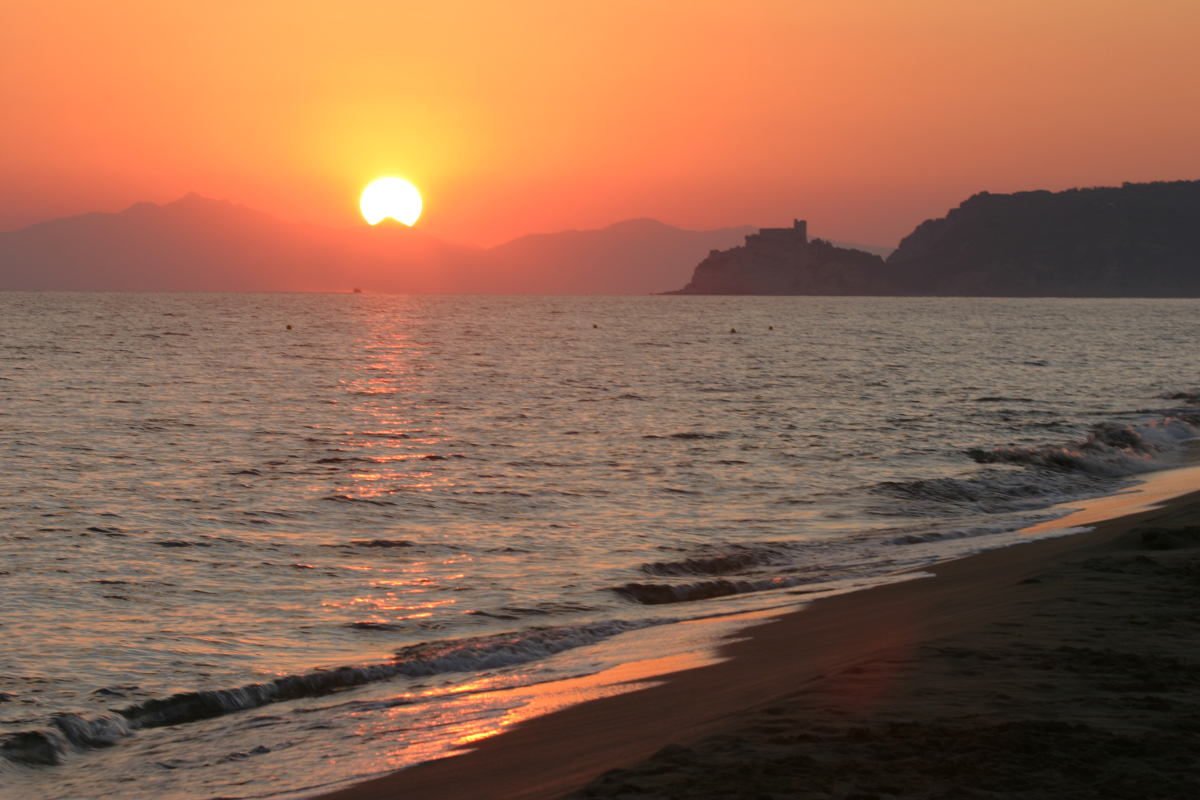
{"x":199,"y":244}
{"x":1133,"y":240}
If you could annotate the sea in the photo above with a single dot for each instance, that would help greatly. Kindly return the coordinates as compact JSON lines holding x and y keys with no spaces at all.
{"x":261,"y":545}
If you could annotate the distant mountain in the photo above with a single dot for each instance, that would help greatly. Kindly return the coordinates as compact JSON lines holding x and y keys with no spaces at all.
{"x":639,"y":256}
{"x":198,"y":244}
{"x":1136,"y":240}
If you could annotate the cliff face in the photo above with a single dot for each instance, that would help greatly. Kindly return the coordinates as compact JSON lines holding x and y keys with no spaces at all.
{"x":790,"y":267}
{"x":1137,"y":240}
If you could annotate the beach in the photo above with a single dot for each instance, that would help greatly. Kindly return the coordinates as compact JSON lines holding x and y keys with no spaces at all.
{"x":407,"y":525}
{"x":554,"y":400}
{"x":1065,"y":667}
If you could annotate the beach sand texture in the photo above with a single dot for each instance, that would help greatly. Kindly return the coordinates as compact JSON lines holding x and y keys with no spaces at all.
{"x":1063,"y":668}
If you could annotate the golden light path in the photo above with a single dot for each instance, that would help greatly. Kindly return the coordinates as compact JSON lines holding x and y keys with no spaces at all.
{"x":390,"y":197}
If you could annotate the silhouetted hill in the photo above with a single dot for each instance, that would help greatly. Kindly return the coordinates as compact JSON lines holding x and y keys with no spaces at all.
{"x":873,"y":249}
{"x":1137,"y":240}
{"x":807,"y":268}
{"x":784,"y":261}
{"x":197,"y":244}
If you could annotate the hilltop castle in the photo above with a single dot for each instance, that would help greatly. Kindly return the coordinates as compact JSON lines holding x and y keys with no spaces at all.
{"x":1138,"y":240}
{"x":775,"y":240}
{"x":797,"y":234}
{"x":784,"y":261}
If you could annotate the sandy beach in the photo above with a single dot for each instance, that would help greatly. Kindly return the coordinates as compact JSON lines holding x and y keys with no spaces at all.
{"x":1065,"y":667}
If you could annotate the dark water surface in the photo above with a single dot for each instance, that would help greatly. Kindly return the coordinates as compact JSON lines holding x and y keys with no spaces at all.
{"x":204,"y":513}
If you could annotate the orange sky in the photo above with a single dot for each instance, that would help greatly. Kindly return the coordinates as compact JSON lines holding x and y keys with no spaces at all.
{"x":523,"y":116}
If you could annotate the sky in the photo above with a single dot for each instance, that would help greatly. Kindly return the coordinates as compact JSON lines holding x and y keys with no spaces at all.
{"x":863,"y":116}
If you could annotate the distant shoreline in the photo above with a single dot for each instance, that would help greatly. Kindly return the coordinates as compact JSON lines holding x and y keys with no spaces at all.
{"x":1133,"y":240}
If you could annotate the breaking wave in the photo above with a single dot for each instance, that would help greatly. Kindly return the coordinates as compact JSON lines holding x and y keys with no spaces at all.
{"x":67,"y":732}
{"x":1110,"y":450}
{"x":989,"y":491}
{"x":737,"y":558}
{"x":733,"y":567}
{"x":1031,"y":477}
{"x":652,"y":594}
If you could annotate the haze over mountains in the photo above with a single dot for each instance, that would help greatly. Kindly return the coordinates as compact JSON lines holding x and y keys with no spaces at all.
{"x":198,"y":244}
{"x":1132,"y":240}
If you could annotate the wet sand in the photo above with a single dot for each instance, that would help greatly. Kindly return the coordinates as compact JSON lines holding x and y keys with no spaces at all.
{"x":1062,"y":668}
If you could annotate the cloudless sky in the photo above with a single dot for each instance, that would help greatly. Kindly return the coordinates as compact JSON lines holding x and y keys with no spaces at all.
{"x":864,"y":116}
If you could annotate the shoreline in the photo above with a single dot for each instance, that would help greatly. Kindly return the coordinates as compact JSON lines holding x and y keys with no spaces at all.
{"x":798,"y":651}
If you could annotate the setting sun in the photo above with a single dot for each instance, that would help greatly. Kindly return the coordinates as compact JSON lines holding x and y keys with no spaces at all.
{"x":592,"y":463}
{"x":390,"y":197}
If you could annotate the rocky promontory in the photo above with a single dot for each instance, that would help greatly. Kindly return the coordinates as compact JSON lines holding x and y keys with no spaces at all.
{"x":784,"y":261}
{"x":1136,"y":240}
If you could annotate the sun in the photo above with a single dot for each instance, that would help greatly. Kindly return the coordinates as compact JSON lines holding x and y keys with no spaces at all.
{"x":390,"y":197}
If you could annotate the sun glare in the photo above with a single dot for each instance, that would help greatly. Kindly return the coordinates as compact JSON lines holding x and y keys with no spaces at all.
{"x":390,"y":197}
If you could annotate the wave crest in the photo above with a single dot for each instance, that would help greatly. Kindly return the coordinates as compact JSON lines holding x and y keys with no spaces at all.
{"x":652,"y":594}
{"x":1110,"y":450}
{"x":737,"y":558}
{"x":48,"y":746}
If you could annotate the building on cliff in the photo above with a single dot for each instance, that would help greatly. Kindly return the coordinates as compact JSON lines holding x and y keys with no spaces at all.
{"x":784,"y":261}
{"x":1135,"y":240}
{"x":775,"y":240}
{"x":797,"y":234}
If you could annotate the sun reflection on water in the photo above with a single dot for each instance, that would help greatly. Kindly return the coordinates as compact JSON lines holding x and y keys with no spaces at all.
{"x":398,"y":427}
{"x":486,"y":706}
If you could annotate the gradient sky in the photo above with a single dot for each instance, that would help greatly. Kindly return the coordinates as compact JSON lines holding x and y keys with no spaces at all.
{"x":865,"y":116}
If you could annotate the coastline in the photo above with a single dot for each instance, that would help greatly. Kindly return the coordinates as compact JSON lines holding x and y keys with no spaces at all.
{"x":865,"y":657}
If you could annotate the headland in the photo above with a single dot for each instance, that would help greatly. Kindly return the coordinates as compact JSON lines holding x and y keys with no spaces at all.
{"x":1133,"y":240}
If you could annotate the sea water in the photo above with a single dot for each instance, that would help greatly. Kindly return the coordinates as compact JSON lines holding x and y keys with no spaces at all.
{"x":252,"y":545}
